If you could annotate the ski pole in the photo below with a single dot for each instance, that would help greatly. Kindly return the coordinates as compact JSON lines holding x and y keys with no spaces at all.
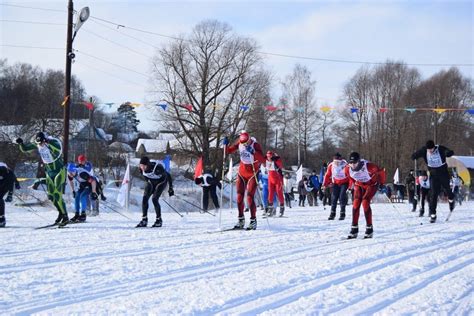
{"x":201,"y":209}
{"x":260,"y":194}
{"x":110,"y":208}
{"x":29,"y":208}
{"x":171,"y":207}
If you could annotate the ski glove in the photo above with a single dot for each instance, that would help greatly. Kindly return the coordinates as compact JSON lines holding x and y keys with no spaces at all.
{"x":225,"y":141}
{"x":171,"y":192}
{"x":9,"y":198}
{"x":250,"y":149}
{"x":94,"y":196}
{"x":17,"y":186}
{"x":74,"y":194}
{"x":19,"y":140}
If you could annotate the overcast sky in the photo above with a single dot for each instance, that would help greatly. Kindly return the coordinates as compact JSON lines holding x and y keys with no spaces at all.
{"x":115,"y":67}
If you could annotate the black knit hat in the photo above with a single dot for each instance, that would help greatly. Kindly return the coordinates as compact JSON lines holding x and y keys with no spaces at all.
{"x":145,"y":160}
{"x":354,"y":157}
{"x":430,"y":144}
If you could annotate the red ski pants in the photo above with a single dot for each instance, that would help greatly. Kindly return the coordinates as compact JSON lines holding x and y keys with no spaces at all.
{"x":250,"y":185}
{"x":275,"y":187}
{"x":362,"y":195}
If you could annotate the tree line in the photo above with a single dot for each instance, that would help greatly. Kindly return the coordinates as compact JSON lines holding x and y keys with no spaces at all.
{"x":216,"y":84}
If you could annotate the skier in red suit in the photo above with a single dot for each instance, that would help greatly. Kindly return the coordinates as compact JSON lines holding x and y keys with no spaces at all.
{"x":365,"y":177}
{"x":251,"y":156}
{"x":275,"y":182}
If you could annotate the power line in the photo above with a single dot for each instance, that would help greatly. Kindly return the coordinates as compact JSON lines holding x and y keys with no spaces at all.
{"x":34,"y":8}
{"x":108,"y":62}
{"x":32,"y":22}
{"x":25,"y":46}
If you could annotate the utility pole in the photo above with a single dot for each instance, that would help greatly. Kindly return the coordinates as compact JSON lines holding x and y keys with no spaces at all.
{"x":67,"y":86}
{"x":82,"y":17}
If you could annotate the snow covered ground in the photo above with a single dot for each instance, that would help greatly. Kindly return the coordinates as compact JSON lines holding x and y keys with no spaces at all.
{"x":298,"y":265}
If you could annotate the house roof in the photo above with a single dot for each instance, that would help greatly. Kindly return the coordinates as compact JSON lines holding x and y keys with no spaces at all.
{"x":152,"y":145}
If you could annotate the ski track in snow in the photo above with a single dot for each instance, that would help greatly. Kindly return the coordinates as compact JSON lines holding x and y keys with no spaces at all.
{"x":295,"y":265}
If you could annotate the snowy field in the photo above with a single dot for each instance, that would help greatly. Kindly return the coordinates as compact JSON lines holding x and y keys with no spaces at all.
{"x":298,"y":265}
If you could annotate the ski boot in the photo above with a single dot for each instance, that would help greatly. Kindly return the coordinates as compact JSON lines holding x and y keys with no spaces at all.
{"x":9,"y":198}
{"x":95,"y":213}
{"x":332,"y":216}
{"x":82,"y":217}
{"x":342,"y":216}
{"x":75,"y":218}
{"x":64,"y":220}
{"x":58,"y":219}
{"x":452,"y":204}
{"x":158,"y":223}
{"x":103,"y":198}
{"x":270,"y":211}
{"x":265,"y":212}
{"x":354,"y":232}
{"x":433,"y":218}
{"x":422,"y":212}
{"x":241,"y":223}
{"x":252,"y":224}
{"x":247,"y":210}
{"x":3,"y":222}
{"x":143,"y":222}
{"x":369,"y":232}
{"x":282,"y":210}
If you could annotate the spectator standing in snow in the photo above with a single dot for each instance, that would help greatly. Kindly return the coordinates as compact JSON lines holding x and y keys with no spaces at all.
{"x":365,"y":177}
{"x":336,"y":177}
{"x":435,"y":157}
{"x":410,"y":184}
{"x":7,"y":181}
{"x":209,"y":185}
{"x":251,"y":157}
{"x":288,"y":184}
{"x":302,"y":185}
{"x":156,"y":179}
{"x":314,"y":180}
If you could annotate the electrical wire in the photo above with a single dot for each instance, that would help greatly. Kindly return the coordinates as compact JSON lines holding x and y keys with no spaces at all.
{"x":33,"y":22}
{"x":34,"y":8}
{"x":26,"y":46}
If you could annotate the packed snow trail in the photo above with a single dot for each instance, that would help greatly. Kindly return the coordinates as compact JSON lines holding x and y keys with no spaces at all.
{"x":294,"y":265}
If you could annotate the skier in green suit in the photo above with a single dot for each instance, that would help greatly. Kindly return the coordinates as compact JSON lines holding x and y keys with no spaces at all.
{"x":50,"y":150}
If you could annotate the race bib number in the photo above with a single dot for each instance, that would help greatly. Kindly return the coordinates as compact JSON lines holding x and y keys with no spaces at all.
{"x":46,"y":155}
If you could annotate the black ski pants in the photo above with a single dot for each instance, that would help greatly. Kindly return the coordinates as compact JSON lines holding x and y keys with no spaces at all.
{"x":439,"y":182}
{"x":153,"y":190}
{"x":339,"y":193}
{"x":424,"y":196}
{"x":212,"y":190}
{"x":6,"y":185}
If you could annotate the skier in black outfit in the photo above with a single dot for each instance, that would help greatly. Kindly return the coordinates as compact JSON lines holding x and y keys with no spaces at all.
{"x":7,"y":181}
{"x":209,"y":185}
{"x":424,"y":190}
{"x":156,"y":179}
{"x":435,"y":158}
{"x":411,"y":187}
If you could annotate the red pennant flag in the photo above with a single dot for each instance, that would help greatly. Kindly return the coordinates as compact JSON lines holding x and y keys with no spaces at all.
{"x":199,"y":167}
{"x":383,"y":110}
{"x":188,"y":107}
{"x":89,"y":105}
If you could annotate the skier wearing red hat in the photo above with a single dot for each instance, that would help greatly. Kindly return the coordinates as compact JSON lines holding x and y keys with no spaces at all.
{"x":251,"y":156}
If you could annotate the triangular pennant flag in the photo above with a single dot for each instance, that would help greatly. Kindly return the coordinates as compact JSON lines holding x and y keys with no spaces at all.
{"x":89,"y":105}
{"x":199,"y":168}
{"x":396,"y":177}
{"x":411,"y":110}
{"x":187,"y":106}
{"x":244,"y":107}
{"x":354,"y":110}
{"x":470,"y":111}
{"x":301,"y":110}
{"x":163,"y":105}
{"x":122,"y":196}
{"x":271,"y":108}
{"x":383,"y":110}
{"x":66,"y":98}
{"x":439,"y":111}
{"x":299,"y":174}
{"x":135,"y":105}
{"x":325,"y":109}
{"x":229,"y":173}
{"x":217,"y":106}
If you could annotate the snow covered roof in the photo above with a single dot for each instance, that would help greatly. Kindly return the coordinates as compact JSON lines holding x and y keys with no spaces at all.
{"x":152,"y":145}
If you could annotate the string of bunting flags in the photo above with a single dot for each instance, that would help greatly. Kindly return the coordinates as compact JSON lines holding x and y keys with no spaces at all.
{"x":164,"y":105}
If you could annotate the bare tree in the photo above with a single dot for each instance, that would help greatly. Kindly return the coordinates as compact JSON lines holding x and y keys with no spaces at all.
{"x":205,"y":78}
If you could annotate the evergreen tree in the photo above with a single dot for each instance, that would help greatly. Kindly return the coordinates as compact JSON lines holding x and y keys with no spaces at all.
{"x":126,"y":121}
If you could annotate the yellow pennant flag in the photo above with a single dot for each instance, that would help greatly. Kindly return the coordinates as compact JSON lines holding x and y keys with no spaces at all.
{"x":135,"y":105}
{"x":325,"y":109}
{"x":66,"y":98}
{"x":439,"y":111}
